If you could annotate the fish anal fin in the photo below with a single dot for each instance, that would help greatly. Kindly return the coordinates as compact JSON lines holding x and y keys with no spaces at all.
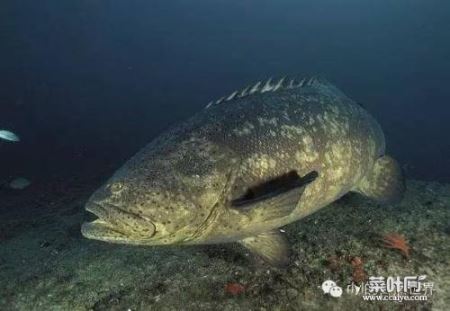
{"x":271,"y":246}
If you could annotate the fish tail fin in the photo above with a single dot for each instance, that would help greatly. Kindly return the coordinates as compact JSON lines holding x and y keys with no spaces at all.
{"x":384,"y":183}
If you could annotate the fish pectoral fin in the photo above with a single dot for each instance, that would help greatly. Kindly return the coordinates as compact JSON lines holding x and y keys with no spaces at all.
{"x":271,"y":246}
{"x":274,"y":198}
{"x":384,"y":183}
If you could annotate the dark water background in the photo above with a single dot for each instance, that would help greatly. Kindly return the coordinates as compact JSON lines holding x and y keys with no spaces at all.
{"x":86,"y":83}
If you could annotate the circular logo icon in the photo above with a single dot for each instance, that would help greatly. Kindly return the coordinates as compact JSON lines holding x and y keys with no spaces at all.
{"x":336,"y":292}
{"x":327,"y":286}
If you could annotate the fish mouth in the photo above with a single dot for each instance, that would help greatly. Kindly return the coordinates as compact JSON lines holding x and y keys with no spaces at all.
{"x":113,"y":225}
{"x":96,"y":209}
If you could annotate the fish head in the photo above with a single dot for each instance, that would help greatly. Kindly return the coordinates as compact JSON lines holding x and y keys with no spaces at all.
{"x":163,"y":195}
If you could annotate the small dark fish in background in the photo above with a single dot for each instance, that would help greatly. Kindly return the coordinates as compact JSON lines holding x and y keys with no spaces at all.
{"x":248,"y":164}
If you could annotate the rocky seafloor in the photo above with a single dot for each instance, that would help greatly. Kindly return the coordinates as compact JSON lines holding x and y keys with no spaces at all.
{"x":45,"y":263}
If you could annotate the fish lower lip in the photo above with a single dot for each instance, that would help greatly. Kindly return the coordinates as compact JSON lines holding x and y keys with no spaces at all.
{"x":98,"y":229}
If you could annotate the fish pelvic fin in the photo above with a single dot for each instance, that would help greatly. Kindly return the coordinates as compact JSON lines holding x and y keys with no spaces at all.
{"x":384,"y":183}
{"x":271,"y":246}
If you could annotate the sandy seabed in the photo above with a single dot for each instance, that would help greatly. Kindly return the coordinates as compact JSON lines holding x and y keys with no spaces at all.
{"x":45,"y":263}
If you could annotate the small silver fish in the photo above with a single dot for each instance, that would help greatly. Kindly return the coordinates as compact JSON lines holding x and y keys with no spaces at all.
{"x":9,"y":136}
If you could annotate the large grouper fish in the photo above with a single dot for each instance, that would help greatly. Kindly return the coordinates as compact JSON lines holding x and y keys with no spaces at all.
{"x":246,"y":165}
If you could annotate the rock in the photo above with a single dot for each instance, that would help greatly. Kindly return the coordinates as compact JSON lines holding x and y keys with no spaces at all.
{"x":292,"y":293}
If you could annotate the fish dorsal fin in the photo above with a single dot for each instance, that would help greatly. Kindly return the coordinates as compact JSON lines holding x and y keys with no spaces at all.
{"x":273,"y":85}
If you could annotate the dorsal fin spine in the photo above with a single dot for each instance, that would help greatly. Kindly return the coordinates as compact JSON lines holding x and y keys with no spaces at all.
{"x":232,"y":95}
{"x":279,"y":84}
{"x":268,"y":86}
{"x":220,"y":100}
{"x":291,"y":84}
{"x":255,"y":88}
{"x":244,"y":92}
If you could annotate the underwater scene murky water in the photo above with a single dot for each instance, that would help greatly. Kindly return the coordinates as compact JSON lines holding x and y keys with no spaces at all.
{"x":225,"y":155}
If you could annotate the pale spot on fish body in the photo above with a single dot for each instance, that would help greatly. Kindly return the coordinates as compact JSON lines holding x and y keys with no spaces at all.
{"x":271,"y":121}
{"x":264,"y":164}
{"x":272,"y":163}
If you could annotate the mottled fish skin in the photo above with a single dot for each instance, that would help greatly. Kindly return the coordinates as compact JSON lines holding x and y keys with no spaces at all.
{"x":179,"y":188}
{"x":314,"y":128}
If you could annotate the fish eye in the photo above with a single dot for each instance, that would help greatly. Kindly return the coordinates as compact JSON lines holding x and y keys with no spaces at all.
{"x":116,"y":187}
